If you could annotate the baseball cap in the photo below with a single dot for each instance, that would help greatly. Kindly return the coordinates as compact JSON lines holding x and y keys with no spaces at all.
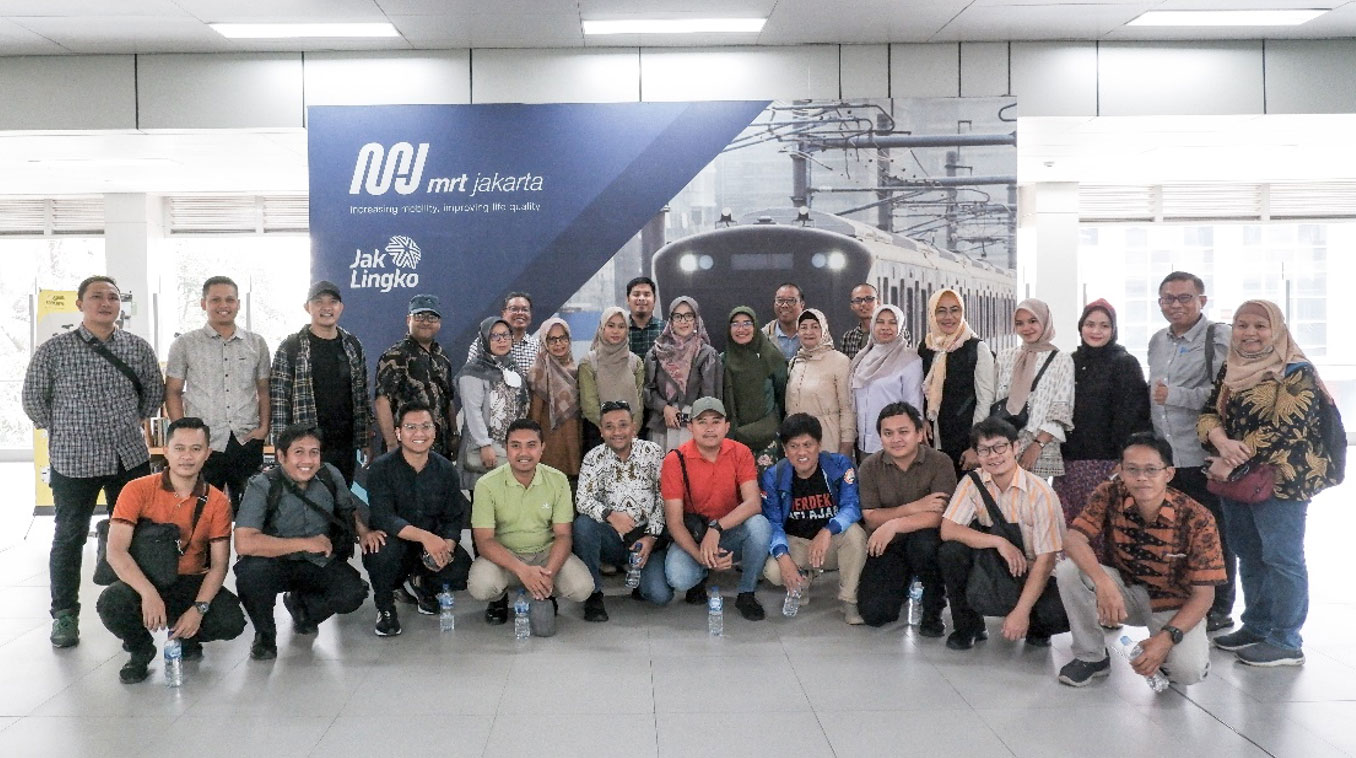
{"x":705,"y":404}
{"x":324,"y":287}
{"x":425,"y":304}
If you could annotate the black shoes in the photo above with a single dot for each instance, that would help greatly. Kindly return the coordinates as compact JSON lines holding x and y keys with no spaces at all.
{"x":388,"y":623}
{"x":496,"y":612}
{"x":1038,"y":640}
{"x":192,"y":650}
{"x":1217,"y":621}
{"x":1078,"y":673}
{"x":301,"y":621}
{"x":594,"y":610}
{"x":137,"y":667}
{"x":428,"y":606}
{"x":696,"y":595}
{"x":264,"y":648}
{"x":749,"y":607}
{"x":932,"y":625}
{"x":962,"y":640}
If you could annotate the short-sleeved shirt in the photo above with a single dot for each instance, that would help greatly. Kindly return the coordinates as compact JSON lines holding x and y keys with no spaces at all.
{"x":408,"y":373}
{"x":221,"y":378}
{"x":428,"y":499}
{"x":882,"y":484}
{"x":1028,"y":502}
{"x":152,"y":497}
{"x":294,"y":518}
{"x":1179,"y":550}
{"x":715,"y":485}
{"x":522,"y":517}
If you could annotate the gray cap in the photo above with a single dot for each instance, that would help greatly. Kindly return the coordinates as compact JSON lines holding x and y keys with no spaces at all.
{"x":425,"y":304}
{"x":705,"y":404}
{"x":324,"y":287}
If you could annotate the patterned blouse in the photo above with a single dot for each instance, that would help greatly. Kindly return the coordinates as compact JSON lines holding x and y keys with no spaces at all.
{"x":1049,"y":406}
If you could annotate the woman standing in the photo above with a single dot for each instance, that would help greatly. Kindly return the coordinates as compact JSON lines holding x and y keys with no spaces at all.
{"x":1037,"y":383}
{"x":819,"y":383}
{"x":610,"y":372}
{"x":959,"y":383}
{"x":493,"y":395}
{"x":681,"y":367}
{"x":754,"y":386}
{"x":555,"y":398}
{"x":1111,"y":402}
{"x":1265,"y":412}
{"x":886,"y":371}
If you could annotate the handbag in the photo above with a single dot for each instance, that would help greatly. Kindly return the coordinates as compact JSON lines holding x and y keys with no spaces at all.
{"x":155,"y":548}
{"x":1250,"y":483}
{"x":999,"y":410}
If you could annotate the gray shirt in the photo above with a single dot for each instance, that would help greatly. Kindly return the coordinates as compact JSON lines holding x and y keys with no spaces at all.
{"x":1180,"y":362}
{"x":294,"y":518}
{"x":220,"y":376}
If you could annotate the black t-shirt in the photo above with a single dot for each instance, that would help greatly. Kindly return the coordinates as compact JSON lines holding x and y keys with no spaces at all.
{"x":332,"y":380}
{"x":811,"y":505}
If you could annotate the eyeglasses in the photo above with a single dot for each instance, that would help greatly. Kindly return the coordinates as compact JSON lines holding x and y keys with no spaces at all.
{"x":518,"y":309}
{"x":741,"y":324}
{"x":682,"y":317}
{"x":500,"y":336}
{"x":786,"y":301}
{"x":1167,"y":300}
{"x":615,"y":405}
{"x":427,"y":318}
{"x":863,"y":300}
{"x":557,"y":340}
{"x":424,"y":427}
{"x":998,"y":448}
{"x":1136,"y":472}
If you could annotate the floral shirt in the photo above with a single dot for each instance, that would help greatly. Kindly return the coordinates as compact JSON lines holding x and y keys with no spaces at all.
{"x":630,"y":486}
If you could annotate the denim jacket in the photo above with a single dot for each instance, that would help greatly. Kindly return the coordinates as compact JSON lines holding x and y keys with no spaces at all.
{"x":776,"y":490}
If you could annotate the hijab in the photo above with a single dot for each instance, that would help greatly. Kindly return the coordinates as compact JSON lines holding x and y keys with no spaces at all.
{"x":553,"y":379}
{"x":747,"y":368}
{"x":675,"y":354}
{"x":1029,"y":356}
{"x":825,"y":345}
{"x":1246,"y":370}
{"x":882,"y":359}
{"x":941,"y":344}
{"x":614,"y":366}
{"x":495,"y":368}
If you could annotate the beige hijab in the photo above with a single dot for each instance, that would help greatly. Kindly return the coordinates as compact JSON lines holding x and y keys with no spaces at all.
{"x":1029,"y":359}
{"x":614,"y":366}
{"x":1245,"y":370}
{"x":825,"y":345}
{"x":555,"y":380}
{"x":880,"y":360}
{"x":942,"y":343}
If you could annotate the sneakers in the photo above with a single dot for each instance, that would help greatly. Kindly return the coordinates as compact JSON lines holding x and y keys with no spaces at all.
{"x":66,"y":629}
{"x":962,"y":640}
{"x":137,"y":667}
{"x":1078,"y":673}
{"x":427,"y":606}
{"x":594,"y":610}
{"x":1235,"y":641}
{"x":301,"y":620}
{"x":264,"y":647}
{"x":388,"y":624}
{"x":748,"y":606}
{"x":1266,"y":654}
{"x":696,"y":595}
{"x":932,"y":625}
{"x":850,"y":614}
{"x":1217,"y":621}
{"x":496,"y":612}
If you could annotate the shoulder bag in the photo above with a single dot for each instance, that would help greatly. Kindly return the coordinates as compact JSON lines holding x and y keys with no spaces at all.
{"x":1253,"y":482}
{"x":991,"y":589}
{"x":999,"y":410}
{"x":155,"y":548}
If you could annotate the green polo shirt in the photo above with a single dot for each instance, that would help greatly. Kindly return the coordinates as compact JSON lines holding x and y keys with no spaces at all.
{"x":522,"y":517}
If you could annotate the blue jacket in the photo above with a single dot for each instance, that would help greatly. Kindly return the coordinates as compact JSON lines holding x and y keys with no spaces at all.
{"x":776,"y":487}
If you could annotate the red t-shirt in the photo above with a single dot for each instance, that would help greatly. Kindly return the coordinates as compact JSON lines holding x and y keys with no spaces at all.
{"x":715,"y":486}
{"x":151,"y":497}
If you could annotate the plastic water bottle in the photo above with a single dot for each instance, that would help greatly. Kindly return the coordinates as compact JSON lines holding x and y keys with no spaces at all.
{"x":1157,"y":681}
{"x":915,"y":613}
{"x":633,"y":567}
{"x":522,"y":627}
{"x":715,"y":612}
{"x":174,"y":662}
{"x":791,"y":605}
{"x":447,"y":620}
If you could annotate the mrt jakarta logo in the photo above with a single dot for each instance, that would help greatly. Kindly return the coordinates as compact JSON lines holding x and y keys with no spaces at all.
{"x":388,"y":268}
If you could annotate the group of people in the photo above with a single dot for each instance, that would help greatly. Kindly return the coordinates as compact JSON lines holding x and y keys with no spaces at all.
{"x":897,"y":465}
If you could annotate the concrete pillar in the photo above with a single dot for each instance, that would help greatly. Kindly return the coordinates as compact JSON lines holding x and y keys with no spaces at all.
{"x":1047,"y":254}
{"x":133,"y":227}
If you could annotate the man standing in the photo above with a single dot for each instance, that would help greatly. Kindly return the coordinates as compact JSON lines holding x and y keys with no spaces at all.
{"x":89,"y":388}
{"x":195,"y":608}
{"x":219,"y":373}
{"x":620,"y":509}
{"x":517,"y":311}
{"x":713,"y":507}
{"x":784,"y":329}
{"x":863,"y":303}
{"x":416,"y":500}
{"x":521,"y":518}
{"x":320,"y":379}
{"x":643,"y":298}
{"x":294,"y":533}
{"x":1025,"y":501}
{"x":416,"y":370}
{"x":1184,"y":360}
{"x":1164,"y":562}
{"x":905,"y":487}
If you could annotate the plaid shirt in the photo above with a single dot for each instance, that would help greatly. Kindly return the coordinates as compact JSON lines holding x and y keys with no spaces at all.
{"x":89,"y":408}
{"x":523,"y":353}
{"x":642,"y":338}
{"x":854,"y":340}
{"x":292,"y":396}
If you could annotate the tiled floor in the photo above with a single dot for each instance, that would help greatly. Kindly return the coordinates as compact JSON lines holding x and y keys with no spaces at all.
{"x":652,"y":682}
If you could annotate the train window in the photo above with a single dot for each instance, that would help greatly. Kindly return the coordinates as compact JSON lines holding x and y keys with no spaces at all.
{"x":894,"y":295}
{"x":908,"y":311}
{"x":762,"y":261}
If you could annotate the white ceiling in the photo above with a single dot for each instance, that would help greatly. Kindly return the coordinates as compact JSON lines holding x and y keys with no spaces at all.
{"x":58,"y":27}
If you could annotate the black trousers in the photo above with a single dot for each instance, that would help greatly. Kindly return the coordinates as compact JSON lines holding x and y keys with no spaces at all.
{"x":75,"y":500}
{"x":956,"y":559}
{"x":886,"y":577}
{"x":399,"y":560}
{"x":229,"y":471}
{"x":344,"y":458}
{"x":321,"y":591}
{"x":1191,"y":480}
{"x":120,"y":609}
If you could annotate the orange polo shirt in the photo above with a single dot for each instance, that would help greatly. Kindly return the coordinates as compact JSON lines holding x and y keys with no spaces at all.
{"x":152,"y":497}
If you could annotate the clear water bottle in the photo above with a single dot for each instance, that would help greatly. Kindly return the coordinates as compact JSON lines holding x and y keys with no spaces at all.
{"x":633,"y":567}
{"x":447,"y":620}
{"x":791,"y":605}
{"x":715,"y":612}
{"x":522,"y":626}
{"x":915,"y":603}
{"x":1157,"y":681}
{"x":174,"y":662}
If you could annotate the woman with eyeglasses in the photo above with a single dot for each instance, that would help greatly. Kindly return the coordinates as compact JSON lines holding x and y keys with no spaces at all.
{"x":610,"y":372}
{"x":554,"y":382}
{"x":958,"y":381}
{"x":681,"y":367}
{"x":493,"y":395}
{"x":819,"y":383}
{"x":888,"y":370}
{"x":754,"y":386}
{"x":1036,"y":389}
{"x":1264,"y":421}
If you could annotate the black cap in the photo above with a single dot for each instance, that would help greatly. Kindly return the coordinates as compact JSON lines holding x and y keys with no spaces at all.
{"x":425,"y":304}
{"x":324,"y":287}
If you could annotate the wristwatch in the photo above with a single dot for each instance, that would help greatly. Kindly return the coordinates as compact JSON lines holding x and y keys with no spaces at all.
{"x":202,"y":607}
{"x":607,"y":513}
{"x":715,"y":524}
{"x":1175,"y":633}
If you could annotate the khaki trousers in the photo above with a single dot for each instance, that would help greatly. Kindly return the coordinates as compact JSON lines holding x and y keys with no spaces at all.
{"x":489,"y":580}
{"x":846,"y":555}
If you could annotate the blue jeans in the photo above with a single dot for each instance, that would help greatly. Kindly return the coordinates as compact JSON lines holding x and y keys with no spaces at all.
{"x":1269,"y":540}
{"x":595,"y":542}
{"x":749,"y":542}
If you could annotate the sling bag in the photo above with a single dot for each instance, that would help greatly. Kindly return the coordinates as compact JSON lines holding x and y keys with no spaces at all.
{"x":155,"y":548}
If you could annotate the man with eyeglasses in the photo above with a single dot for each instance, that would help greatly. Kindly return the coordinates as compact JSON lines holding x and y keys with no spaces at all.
{"x":787,"y":304}
{"x":417,"y":370}
{"x":1184,"y":361}
{"x":863,"y":303}
{"x":517,"y":312}
{"x":1163,"y":564}
{"x":415,"y":498}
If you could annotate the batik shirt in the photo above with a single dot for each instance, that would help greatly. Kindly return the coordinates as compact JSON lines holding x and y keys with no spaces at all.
{"x":630,"y":486}
{"x":407,"y":373}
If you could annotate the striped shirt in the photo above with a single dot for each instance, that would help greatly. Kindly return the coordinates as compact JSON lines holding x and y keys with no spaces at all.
{"x":1028,"y":502}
